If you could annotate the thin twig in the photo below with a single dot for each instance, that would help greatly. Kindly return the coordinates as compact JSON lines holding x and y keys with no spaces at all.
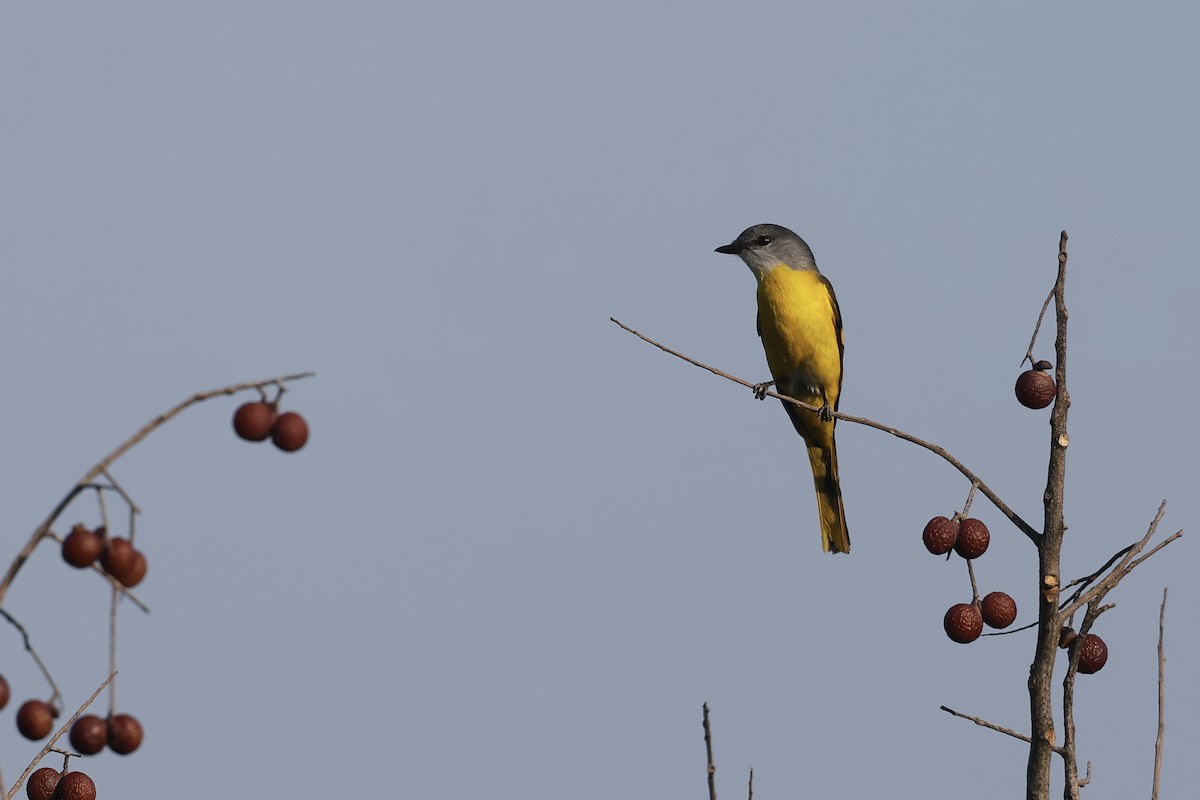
{"x":970,"y":499}
{"x":55,"y":695}
{"x":1012,"y":516}
{"x":1087,"y":579}
{"x":974,"y":586}
{"x":712,"y":768}
{"x":1011,"y":631}
{"x":1033,"y":339}
{"x":984,"y":723}
{"x":112,"y":650}
{"x":750,"y":786}
{"x":1162,"y":664}
{"x":12,"y":791}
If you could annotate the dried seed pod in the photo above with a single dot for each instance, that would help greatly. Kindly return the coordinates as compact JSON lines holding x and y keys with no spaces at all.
{"x":136,"y":572}
{"x":253,"y":421}
{"x":118,"y":558}
{"x":89,"y":734}
{"x":963,"y":623}
{"x":1093,"y":654}
{"x":35,"y":719}
{"x":124,"y":733}
{"x":75,"y":786}
{"x":939,"y":535}
{"x":999,"y":610}
{"x":82,"y":547}
{"x":1035,"y":388}
{"x":42,"y":783}
{"x":973,"y":538}
{"x":290,"y":432}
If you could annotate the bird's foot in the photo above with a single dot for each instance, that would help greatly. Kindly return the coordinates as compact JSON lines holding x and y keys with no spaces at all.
{"x":760,"y":389}
{"x":826,"y":413}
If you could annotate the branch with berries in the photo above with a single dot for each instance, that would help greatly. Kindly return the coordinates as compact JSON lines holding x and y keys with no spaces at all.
{"x":969,"y":538}
{"x":122,"y":565}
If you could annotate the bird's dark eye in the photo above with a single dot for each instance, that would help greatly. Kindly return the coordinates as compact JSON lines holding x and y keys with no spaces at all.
{"x":763,"y":241}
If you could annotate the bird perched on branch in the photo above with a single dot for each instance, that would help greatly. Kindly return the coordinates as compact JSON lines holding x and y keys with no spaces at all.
{"x":801,"y":330}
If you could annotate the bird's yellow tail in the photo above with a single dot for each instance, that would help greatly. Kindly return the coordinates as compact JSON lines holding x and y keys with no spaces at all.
{"x":834,"y":536}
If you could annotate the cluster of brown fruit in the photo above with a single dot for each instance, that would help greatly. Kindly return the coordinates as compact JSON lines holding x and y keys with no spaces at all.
{"x":117,"y":556}
{"x":1093,"y":652}
{"x":48,"y":783}
{"x":121,"y":732}
{"x":257,"y":421}
{"x":1035,"y":388}
{"x":969,"y":538}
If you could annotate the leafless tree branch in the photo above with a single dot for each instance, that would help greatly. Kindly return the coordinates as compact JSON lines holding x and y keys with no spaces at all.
{"x":941,"y":452}
{"x":1162,"y":664}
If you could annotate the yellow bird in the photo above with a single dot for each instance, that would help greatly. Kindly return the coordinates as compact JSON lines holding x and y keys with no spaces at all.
{"x":801,"y":329}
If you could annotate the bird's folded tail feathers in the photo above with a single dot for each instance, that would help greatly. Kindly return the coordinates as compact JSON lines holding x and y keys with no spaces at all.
{"x":834,"y":536}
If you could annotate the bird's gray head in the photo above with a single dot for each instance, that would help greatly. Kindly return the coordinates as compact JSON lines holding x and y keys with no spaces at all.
{"x":764,"y":247}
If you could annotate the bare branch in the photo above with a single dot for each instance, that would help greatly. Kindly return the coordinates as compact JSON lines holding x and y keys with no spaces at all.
{"x":941,"y":452}
{"x":712,"y":768}
{"x":985,"y":724}
{"x":1162,"y":663}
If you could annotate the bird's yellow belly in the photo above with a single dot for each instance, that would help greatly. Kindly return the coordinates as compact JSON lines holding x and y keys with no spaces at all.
{"x":799,"y":335}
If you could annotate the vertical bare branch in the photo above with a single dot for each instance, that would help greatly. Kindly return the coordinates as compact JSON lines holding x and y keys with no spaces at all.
{"x":1162,"y":663}
{"x":1041,"y":673}
{"x":712,"y":768}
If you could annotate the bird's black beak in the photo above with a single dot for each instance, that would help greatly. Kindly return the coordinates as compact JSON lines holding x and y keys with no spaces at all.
{"x":731,"y":249}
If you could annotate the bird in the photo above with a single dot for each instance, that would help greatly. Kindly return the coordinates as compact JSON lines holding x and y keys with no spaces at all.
{"x":800,"y":325}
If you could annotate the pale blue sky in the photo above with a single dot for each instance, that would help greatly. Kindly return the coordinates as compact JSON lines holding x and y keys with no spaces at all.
{"x":522,"y":548}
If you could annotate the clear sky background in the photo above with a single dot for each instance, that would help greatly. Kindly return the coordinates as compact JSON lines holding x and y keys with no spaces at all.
{"x":522,"y":548}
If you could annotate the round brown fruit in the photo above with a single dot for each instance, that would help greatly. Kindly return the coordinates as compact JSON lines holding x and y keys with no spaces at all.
{"x":124,"y":733}
{"x":253,"y":421}
{"x":290,"y":432}
{"x":1066,"y":636}
{"x":136,"y":572}
{"x":75,"y":786}
{"x":999,"y":610}
{"x":1035,"y":389}
{"x":939,"y":535}
{"x":35,"y":718}
{"x":5,"y":692}
{"x":89,"y":734}
{"x":118,"y":558}
{"x":42,"y":783}
{"x":1093,"y":654}
{"x":963,"y":623}
{"x":82,"y":547}
{"x":973,"y":538}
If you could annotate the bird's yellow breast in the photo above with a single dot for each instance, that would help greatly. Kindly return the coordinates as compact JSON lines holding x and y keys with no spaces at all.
{"x":801,"y":334}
